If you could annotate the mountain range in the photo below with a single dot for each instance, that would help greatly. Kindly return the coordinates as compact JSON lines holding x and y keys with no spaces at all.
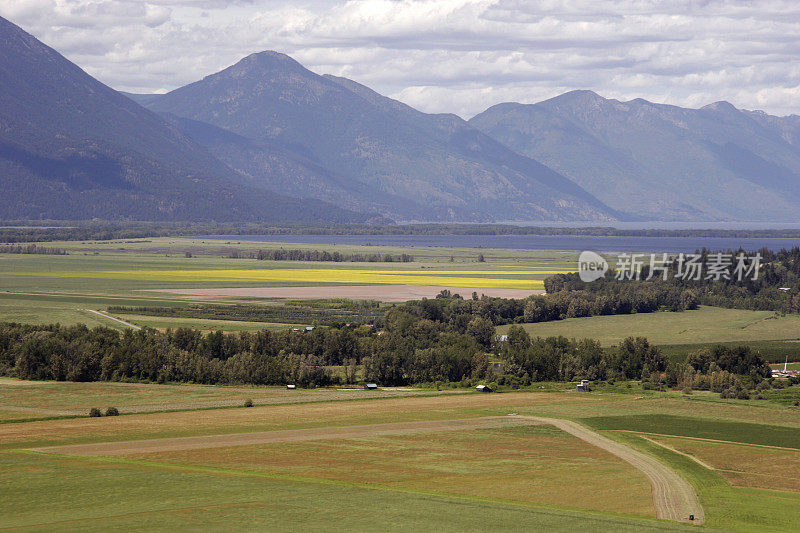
{"x":72,"y":148}
{"x":268,"y":140}
{"x":661,"y":162}
{"x":333,"y":139}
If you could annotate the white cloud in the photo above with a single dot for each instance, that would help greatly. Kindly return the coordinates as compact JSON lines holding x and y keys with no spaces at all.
{"x":447,"y":55}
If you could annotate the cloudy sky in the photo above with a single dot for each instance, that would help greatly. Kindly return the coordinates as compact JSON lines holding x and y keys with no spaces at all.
{"x":447,"y":55}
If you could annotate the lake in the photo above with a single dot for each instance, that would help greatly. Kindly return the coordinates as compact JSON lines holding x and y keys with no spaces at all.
{"x":530,"y":242}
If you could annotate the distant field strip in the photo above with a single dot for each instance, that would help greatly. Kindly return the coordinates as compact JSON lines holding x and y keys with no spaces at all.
{"x":384,"y":293}
{"x":511,"y":279}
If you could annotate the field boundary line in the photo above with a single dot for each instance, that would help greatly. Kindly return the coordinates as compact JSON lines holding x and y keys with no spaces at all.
{"x":672,"y":449}
{"x":104,"y":315}
{"x":705,"y":439}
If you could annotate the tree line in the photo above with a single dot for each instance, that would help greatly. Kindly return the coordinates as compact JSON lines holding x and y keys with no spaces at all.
{"x":320,"y":255}
{"x":777,"y":288}
{"x":411,"y":348}
{"x":31,"y":249}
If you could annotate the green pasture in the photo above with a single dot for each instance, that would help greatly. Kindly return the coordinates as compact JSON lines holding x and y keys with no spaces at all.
{"x":686,"y":426}
{"x":707,"y":325}
{"x":83,"y":494}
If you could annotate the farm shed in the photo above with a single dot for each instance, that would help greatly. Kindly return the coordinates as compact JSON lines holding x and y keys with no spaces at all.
{"x":371,"y":386}
{"x":483,"y":388}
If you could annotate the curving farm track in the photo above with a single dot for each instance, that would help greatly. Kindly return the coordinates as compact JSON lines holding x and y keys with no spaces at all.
{"x":673,"y":497}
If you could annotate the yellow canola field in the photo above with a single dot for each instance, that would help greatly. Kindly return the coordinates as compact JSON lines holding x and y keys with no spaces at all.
{"x":527,"y":279}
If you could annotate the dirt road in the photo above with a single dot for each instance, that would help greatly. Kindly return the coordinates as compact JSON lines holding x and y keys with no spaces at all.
{"x":673,"y":497}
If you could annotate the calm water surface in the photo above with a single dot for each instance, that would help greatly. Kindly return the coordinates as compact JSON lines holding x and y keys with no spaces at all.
{"x":530,"y":242}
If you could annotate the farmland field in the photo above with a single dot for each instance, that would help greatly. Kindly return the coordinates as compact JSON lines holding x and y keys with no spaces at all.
{"x":724,"y":430}
{"x":509,"y":476}
{"x":743,"y":465}
{"x":36,"y":399}
{"x":705,"y":325}
{"x":531,"y":464}
{"x":183,"y":498}
{"x":176,"y":272}
{"x":505,"y":279}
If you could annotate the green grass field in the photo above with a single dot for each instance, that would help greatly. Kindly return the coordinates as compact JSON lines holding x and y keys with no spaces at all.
{"x":727,"y":430}
{"x":727,"y":508}
{"x":704,"y":326}
{"x":202,"y":324}
{"x":64,"y":493}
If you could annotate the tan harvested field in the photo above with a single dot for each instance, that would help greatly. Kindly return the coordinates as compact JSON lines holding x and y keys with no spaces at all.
{"x":384,"y":293}
{"x":11,"y":413}
{"x":742,"y":464}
